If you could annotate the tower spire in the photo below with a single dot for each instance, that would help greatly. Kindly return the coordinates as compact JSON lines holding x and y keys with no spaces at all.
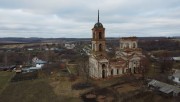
{"x":98,"y":16}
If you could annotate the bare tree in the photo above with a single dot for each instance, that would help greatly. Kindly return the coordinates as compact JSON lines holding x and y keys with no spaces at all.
{"x":84,"y":66}
{"x":144,"y":65}
{"x":165,"y":62}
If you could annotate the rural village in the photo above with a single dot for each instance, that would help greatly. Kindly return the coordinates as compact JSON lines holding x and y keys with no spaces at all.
{"x":99,"y":69}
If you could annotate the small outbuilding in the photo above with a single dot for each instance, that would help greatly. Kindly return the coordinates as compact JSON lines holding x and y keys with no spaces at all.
{"x":164,"y":88}
{"x":176,"y":76}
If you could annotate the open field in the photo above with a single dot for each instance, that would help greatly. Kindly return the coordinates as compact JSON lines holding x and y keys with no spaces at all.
{"x":37,"y":90}
{"x":59,"y":89}
{"x":5,"y":78}
{"x":21,"y":45}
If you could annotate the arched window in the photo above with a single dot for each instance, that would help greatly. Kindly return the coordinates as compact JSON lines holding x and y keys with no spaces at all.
{"x":93,"y":35}
{"x":103,"y":66}
{"x":93,"y":47}
{"x":100,"y":35}
{"x":121,"y":45}
{"x":100,"y":47}
{"x":134,"y":45}
{"x":127,"y":45}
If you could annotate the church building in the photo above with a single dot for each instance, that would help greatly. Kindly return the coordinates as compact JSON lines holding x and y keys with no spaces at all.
{"x":127,"y":57}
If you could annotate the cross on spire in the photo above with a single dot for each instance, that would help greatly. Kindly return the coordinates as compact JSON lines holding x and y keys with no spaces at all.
{"x":98,"y":16}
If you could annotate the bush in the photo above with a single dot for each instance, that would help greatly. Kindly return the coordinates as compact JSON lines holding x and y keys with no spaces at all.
{"x":25,"y":76}
{"x":80,"y":86}
{"x":72,"y":77}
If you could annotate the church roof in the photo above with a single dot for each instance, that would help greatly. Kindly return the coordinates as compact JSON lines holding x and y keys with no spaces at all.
{"x":132,"y":50}
{"x":118,"y":63}
{"x":100,"y":58}
{"x":98,"y":25}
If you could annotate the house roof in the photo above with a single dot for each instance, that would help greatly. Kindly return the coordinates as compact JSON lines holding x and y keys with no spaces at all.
{"x":8,"y":67}
{"x":176,"y":58}
{"x":164,"y":87}
{"x":176,"y":74}
{"x":40,"y":62}
{"x":31,"y":68}
{"x":156,"y":83}
{"x":34,"y":68}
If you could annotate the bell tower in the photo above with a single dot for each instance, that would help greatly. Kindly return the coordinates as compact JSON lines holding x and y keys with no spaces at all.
{"x":98,"y":39}
{"x":98,"y":61}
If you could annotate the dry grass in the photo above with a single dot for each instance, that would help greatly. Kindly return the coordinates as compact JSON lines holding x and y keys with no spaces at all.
{"x":63,"y":87}
{"x":102,"y":83}
{"x":176,"y":65}
{"x":5,"y":77}
{"x":73,"y":69}
{"x":38,"y":90}
{"x":124,"y":88}
{"x":28,"y":91}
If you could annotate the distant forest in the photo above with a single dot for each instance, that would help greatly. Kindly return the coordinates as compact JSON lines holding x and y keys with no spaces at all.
{"x":146,"y":43}
{"x":162,"y":44}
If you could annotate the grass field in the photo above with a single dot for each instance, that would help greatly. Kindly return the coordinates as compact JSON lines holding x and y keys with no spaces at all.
{"x":4,"y":79}
{"x":151,"y":71}
{"x":37,"y":90}
{"x":51,"y":89}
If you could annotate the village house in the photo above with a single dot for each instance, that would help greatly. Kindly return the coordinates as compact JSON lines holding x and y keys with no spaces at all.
{"x":176,"y":59}
{"x":69,"y":45}
{"x":30,"y":49}
{"x":176,"y":76}
{"x":38,"y":63}
{"x":30,"y":69}
{"x":18,"y":69}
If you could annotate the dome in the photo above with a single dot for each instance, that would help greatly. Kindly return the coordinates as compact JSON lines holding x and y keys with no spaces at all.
{"x":98,"y":25}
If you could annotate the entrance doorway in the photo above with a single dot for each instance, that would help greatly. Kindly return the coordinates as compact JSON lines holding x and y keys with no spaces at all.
{"x":103,"y":71}
{"x":112,"y":72}
{"x":134,"y":70}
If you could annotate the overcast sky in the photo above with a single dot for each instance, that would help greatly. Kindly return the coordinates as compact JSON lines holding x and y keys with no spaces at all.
{"x":76,"y":18}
